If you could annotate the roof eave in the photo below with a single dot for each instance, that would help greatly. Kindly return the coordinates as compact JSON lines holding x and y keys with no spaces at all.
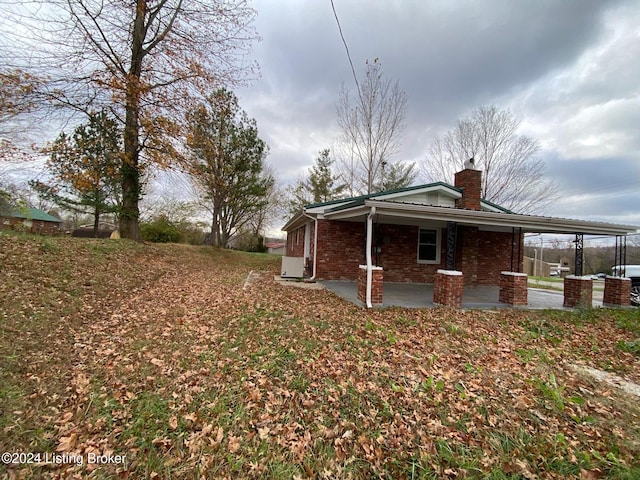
{"x":529,"y":223}
{"x":294,"y":222}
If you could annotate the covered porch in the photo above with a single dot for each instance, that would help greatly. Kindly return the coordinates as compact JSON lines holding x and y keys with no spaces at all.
{"x":420,"y":295}
{"x":463,"y":257}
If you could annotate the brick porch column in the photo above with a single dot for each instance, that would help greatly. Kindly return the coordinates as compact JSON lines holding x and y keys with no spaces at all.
{"x":447,"y":288}
{"x":376,"y":285}
{"x":513,"y":288}
{"x":617,"y":292}
{"x":578,"y":291}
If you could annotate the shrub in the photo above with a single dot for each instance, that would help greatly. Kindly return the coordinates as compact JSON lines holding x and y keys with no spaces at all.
{"x":160,"y":230}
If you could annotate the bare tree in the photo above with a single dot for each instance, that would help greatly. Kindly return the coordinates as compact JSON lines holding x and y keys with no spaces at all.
{"x":371,"y":125}
{"x":513,"y":176}
{"x":141,"y":58}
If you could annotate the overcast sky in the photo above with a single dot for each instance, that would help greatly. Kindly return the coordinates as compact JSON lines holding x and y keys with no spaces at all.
{"x":569,"y":70}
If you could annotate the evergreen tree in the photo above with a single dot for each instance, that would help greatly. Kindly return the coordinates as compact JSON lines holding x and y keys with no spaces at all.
{"x":321,"y":185}
{"x":396,"y":175}
{"x":226,"y":162}
{"x":85,"y":169}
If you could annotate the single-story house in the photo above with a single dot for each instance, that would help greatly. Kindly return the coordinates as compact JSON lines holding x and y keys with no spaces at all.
{"x":105,"y":230}
{"x":275,"y":248}
{"x":33,"y":220}
{"x":416,"y":233}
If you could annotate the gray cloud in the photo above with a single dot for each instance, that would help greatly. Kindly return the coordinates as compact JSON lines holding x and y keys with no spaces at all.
{"x":568,"y":69}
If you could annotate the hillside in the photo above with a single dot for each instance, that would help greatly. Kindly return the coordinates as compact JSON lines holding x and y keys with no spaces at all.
{"x":165,"y":363}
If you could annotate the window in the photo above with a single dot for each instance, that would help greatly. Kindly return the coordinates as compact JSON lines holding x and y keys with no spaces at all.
{"x":428,"y":246}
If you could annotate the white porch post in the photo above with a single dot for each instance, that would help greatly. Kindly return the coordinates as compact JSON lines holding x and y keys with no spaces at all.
{"x":369,"y":261}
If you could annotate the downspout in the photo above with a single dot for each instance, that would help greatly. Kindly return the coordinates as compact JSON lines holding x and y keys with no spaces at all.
{"x":369,"y":265}
{"x":315,"y":243}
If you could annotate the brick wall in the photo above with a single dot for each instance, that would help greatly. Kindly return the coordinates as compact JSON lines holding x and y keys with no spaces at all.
{"x":578,"y":291}
{"x":513,"y":288}
{"x":295,"y":243}
{"x":494,"y":256}
{"x":448,"y":288}
{"x":617,"y":291}
{"x":399,"y":255}
{"x":341,"y":248}
{"x":36,"y":226}
{"x":470,"y":181}
{"x":468,"y":253}
{"x":480,"y":256}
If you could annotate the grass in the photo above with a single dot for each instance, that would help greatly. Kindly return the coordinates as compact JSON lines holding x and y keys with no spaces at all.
{"x":157,"y":353}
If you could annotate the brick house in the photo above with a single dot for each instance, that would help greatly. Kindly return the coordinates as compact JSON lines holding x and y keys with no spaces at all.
{"x":29,"y":219}
{"x":419,"y":233}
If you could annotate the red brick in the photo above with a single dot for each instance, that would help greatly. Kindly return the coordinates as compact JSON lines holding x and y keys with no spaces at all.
{"x":578,"y":291}
{"x":470,"y":181}
{"x":480,"y":255}
{"x":448,"y":288}
{"x":617,"y":291}
{"x":513,"y":288}
{"x":376,"y":285}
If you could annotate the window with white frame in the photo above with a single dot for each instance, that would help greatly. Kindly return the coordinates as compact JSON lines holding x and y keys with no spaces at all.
{"x":428,"y":245}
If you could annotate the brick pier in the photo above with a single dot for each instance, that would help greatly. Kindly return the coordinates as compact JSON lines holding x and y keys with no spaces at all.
{"x":513,"y":288}
{"x":448,"y":287}
{"x":376,"y":285}
{"x":617,"y":292}
{"x":578,"y":291}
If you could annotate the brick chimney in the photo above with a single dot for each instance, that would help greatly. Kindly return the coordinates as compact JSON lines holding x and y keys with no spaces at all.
{"x":470,"y":181}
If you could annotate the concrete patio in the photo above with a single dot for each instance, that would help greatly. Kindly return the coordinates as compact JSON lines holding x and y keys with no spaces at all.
{"x":419,"y":295}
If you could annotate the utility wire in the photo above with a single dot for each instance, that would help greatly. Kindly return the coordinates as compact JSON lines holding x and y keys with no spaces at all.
{"x":605,"y":191}
{"x":346,"y":47}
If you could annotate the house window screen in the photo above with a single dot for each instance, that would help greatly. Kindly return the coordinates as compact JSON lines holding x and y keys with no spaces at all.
{"x":427,"y":245}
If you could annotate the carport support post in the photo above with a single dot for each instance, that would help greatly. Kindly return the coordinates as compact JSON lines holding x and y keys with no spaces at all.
{"x":579,"y":254}
{"x":375,"y":293}
{"x":452,"y":235}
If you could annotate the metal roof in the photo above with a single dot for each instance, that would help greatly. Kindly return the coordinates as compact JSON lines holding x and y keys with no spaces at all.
{"x":478,"y":218}
{"x":389,"y":205}
{"x":30,"y":214}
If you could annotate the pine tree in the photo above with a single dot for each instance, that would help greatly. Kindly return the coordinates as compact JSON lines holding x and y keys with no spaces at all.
{"x":85,"y":169}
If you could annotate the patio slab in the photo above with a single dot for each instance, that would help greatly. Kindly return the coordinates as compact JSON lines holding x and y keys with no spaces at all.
{"x":420,"y":295}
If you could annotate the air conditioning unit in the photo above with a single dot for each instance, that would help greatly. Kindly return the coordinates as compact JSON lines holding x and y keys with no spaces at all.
{"x":292,"y":267}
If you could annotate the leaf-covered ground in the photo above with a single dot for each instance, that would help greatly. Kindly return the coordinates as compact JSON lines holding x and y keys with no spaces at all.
{"x":159,"y":355}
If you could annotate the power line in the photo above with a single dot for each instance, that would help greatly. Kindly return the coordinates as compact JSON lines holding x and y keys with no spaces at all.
{"x":603,"y":190}
{"x":346,"y":47}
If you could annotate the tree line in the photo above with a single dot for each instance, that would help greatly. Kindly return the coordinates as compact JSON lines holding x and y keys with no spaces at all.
{"x":597,"y":259}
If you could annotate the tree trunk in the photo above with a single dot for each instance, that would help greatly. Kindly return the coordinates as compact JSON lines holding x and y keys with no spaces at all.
{"x":129,"y":226}
{"x":96,"y":222}
{"x":129,"y":218}
{"x":215,"y":229}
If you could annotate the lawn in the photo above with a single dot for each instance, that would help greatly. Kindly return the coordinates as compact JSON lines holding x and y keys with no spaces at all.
{"x":161,"y":362}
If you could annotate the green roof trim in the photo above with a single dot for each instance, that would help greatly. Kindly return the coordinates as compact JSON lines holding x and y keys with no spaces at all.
{"x":32,"y":214}
{"x":495,"y":205}
{"x":362,"y":198}
{"x":350,"y":202}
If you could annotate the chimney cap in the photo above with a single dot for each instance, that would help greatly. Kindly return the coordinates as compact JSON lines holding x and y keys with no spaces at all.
{"x":470,"y":164}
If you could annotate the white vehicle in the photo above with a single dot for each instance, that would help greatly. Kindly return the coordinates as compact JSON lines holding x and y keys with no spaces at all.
{"x":632,"y":272}
{"x":628,"y":271}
